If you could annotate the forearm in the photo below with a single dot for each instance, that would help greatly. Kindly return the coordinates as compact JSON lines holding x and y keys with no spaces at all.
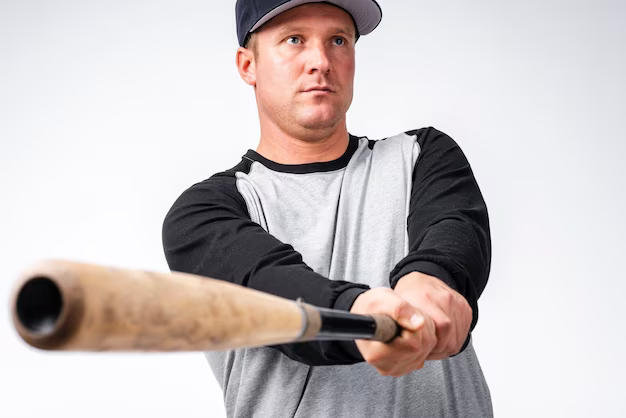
{"x":456,"y":252}
{"x":283,"y":273}
{"x":208,"y":232}
{"x":448,"y":223}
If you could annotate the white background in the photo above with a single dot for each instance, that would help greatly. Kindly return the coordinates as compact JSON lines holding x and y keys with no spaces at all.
{"x":110,"y":109}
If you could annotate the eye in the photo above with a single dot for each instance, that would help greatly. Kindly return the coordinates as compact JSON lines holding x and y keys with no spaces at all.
{"x":343,"y":41}
{"x":293,"y":37}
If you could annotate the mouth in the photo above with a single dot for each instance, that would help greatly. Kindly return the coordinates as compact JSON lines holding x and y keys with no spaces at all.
{"x":320,"y":90}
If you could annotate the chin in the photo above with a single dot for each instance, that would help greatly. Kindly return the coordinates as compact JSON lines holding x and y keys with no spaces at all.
{"x":319,"y":120}
{"x":318,"y":123}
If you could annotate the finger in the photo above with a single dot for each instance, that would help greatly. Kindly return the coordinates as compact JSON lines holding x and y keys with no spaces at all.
{"x":460,"y":322}
{"x":437,"y":356}
{"x":388,"y":302}
{"x":444,"y":328}
{"x":400,"y":351}
{"x":407,"y":316}
{"x":409,"y":353}
{"x":456,"y":339}
{"x":450,"y":318}
{"x":464,"y":322}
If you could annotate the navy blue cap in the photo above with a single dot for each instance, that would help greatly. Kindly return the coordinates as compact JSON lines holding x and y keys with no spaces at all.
{"x":251,"y":14}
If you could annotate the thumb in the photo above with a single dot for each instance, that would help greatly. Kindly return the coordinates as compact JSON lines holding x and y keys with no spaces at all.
{"x":408,"y":317}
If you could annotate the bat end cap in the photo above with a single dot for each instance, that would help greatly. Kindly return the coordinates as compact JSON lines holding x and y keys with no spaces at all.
{"x":38,"y":306}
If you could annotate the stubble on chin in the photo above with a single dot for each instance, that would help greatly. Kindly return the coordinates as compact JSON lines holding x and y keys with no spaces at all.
{"x":317,"y":115}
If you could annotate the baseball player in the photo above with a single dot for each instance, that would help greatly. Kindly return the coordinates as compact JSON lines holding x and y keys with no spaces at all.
{"x":396,"y":226}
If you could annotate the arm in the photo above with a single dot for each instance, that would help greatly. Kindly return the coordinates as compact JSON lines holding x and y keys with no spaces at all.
{"x":448,"y":224}
{"x":208,"y":232}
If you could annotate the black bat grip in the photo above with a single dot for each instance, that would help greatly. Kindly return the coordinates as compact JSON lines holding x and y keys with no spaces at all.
{"x":342,"y":325}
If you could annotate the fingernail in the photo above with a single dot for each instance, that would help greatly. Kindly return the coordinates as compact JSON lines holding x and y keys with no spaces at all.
{"x":416,"y":320}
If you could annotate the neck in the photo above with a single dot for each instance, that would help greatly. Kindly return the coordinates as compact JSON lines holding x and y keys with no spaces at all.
{"x":311,"y":147}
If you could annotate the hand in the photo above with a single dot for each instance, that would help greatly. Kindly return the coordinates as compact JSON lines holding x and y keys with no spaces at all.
{"x":449,"y":310}
{"x":408,"y":351}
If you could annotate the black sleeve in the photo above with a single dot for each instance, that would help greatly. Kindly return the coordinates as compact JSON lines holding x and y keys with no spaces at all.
{"x":448,"y":224}
{"x":208,"y":232}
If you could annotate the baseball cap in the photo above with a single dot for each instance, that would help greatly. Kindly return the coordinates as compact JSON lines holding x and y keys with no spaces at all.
{"x":251,"y":14}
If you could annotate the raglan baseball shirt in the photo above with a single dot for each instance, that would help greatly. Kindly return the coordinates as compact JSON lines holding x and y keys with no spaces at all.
{"x":327,"y":232}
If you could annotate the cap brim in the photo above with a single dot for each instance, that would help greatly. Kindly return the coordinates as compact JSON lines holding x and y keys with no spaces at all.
{"x":367,"y":14}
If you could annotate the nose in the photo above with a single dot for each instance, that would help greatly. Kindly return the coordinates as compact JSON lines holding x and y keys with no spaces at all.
{"x":317,"y":59}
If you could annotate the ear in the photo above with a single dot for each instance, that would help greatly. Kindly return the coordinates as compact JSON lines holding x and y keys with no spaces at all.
{"x":246,"y":65}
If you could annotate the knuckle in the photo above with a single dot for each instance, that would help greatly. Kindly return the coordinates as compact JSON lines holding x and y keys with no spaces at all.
{"x":463,"y":304}
{"x":450,"y":299}
{"x":400,"y":307}
{"x":379,"y":357}
{"x":467,"y":308}
{"x":383,"y":372}
{"x":373,"y":358}
{"x":430,"y":331}
{"x":431,"y":342}
{"x":445,"y":324}
{"x":438,"y":346}
{"x":415,"y":346}
{"x":430,"y":323}
{"x":452,"y":348}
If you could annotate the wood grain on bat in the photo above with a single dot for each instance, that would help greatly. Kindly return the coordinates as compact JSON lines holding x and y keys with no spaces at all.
{"x":104,"y":308}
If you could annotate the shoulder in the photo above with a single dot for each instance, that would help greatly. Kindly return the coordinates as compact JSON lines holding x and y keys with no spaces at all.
{"x":424,"y":137}
{"x":432,"y":138}
{"x":220,"y":182}
{"x":426,"y":142}
{"x":219,"y":188}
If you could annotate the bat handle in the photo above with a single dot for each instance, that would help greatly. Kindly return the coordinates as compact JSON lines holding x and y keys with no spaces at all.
{"x":386,"y":328}
{"x":332,"y":324}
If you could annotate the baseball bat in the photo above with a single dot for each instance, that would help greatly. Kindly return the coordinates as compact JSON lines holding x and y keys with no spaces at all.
{"x":64,"y":305}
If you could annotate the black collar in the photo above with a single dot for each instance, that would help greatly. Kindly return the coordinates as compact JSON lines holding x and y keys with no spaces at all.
{"x":333,"y":165}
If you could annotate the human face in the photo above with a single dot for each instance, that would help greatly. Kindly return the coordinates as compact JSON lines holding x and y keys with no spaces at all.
{"x":309,"y":46}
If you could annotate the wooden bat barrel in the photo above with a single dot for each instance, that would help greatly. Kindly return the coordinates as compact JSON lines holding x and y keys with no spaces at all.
{"x":63,"y":305}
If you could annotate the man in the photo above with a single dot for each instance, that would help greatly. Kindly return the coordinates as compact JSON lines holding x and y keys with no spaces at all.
{"x":395,"y":226}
